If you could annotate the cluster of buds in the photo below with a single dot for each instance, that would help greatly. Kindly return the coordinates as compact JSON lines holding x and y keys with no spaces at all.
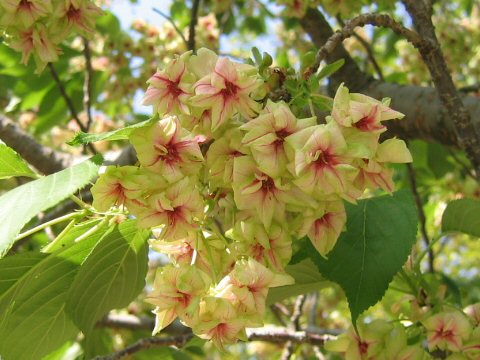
{"x":37,"y":27}
{"x":453,"y":332}
{"x":227,"y":179}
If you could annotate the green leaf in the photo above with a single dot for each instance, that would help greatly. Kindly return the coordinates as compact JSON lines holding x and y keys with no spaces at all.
{"x":11,"y":164}
{"x":256,"y":55}
{"x":111,"y":277}
{"x":98,"y":342}
{"x":307,"y":279}
{"x":380,"y":234}
{"x":462,"y":215}
{"x":33,"y":321}
{"x":82,"y":138}
{"x":14,"y":267}
{"x":330,"y":69}
{"x":20,"y":205}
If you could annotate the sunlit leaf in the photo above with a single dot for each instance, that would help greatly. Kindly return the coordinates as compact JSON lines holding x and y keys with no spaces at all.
{"x":111,"y":277}
{"x":20,"y":205}
{"x":11,"y":164}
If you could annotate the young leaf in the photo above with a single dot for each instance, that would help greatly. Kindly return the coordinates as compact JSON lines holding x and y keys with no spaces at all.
{"x":256,"y":55}
{"x":111,"y":277}
{"x":20,"y":205}
{"x":33,"y":321}
{"x":462,"y":215}
{"x":11,"y":164}
{"x":330,"y":69}
{"x":82,"y":138}
{"x":380,"y":234}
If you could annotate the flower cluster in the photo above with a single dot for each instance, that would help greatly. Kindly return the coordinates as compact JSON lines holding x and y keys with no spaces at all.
{"x":37,"y":27}
{"x":455,"y":333}
{"x":227,"y":183}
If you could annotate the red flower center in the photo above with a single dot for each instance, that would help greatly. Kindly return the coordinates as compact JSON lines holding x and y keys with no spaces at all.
{"x":325,"y":158}
{"x":74,"y":14}
{"x":268,"y":184}
{"x":25,"y":5}
{"x":230,"y":90}
{"x":169,"y":153}
{"x":362,"y":347}
{"x":281,"y":135}
{"x":174,"y":89}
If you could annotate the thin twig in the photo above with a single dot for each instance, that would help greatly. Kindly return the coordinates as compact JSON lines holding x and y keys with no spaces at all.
{"x":421,"y":215}
{"x":66,"y":98}
{"x":294,"y":325}
{"x":275,"y":311}
{"x":268,"y":334}
{"x":368,"y":49}
{"x":43,"y":158}
{"x":193,"y":23}
{"x":170,"y":20}
{"x":433,"y":57}
{"x":465,"y":167}
{"x":381,"y":20}
{"x":69,"y":103}
{"x":87,"y":85}
{"x":470,"y":88}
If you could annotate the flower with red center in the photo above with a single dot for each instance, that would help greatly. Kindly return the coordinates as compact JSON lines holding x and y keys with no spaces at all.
{"x":207,"y":253}
{"x":177,"y":209}
{"x":265,"y":136}
{"x":177,"y":292}
{"x":78,"y":16}
{"x":361,"y":111}
{"x":319,"y":164}
{"x":247,"y":287}
{"x":447,"y":331}
{"x":323,"y":225}
{"x":116,"y":185}
{"x":367,"y":344}
{"x":255,"y":190}
{"x":220,"y":157}
{"x":167,"y":149}
{"x":169,"y":90}
{"x":24,"y":12}
{"x":373,"y":174}
{"x":226,"y":91}
{"x":219,"y":322}
{"x":35,"y":41}
{"x":271,"y":247}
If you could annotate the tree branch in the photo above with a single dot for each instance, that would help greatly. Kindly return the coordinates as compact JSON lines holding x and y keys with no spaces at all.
{"x":380,"y":20}
{"x":193,"y":23}
{"x":368,"y":49}
{"x":425,"y":117}
{"x":268,"y":334}
{"x":87,"y":85}
{"x":294,"y":326}
{"x":69,"y":104}
{"x":45,"y":160}
{"x":421,"y":215}
{"x":433,"y":57}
